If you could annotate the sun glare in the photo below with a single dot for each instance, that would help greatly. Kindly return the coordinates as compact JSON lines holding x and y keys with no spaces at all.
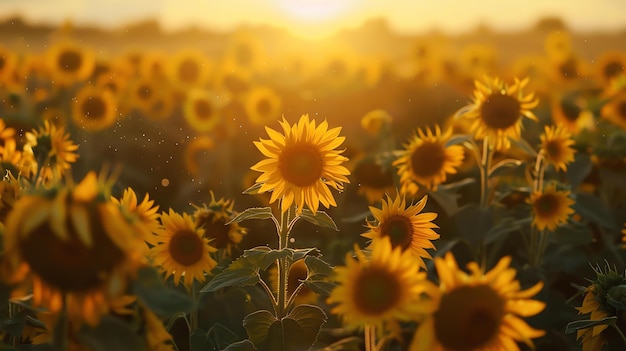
{"x":315,"y":18}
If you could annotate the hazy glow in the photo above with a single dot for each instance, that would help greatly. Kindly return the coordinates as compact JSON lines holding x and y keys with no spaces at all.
{"x":314,"y":10}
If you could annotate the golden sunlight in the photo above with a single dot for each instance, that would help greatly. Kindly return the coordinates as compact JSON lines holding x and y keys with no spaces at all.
{"x":315,"y":18}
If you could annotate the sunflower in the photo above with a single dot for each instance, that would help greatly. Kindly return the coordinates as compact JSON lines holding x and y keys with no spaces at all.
{"x":263,"y":105}
{"x":52,"y":150}
{"x":75,"y":245}
{"x":405,"y":226}
{"x":94,"y":109}
{"x":550,"y":207}
{"x":115,"y":82}
{"x":143,"y":216}
{"x":599,"y":304}
{"x":197,"y":150}
{"x":478,"y":311}
{"x":615,"y":110}
{"x":376,"y":121}
{"x":181,"y":249}
{"x":477,"y":60}
{"x":387,"y":287}
{"x":426,"y":160}
{"x":610,"y":66}
{"x":302,"y":164}
{"x":188,"y":69}
{"x":558,"y":46}
{"x":55,"y":116}
{"x":556,"y":147}
{"x":202,"y":110}
{"x":497,"y":110}
{"x":245,"y":50}
{"x":8,"y":64}
{"x":572,"y":114}
{"x":212,"y":218}
{"x":70,"y":62}
{"x":373,"y":178}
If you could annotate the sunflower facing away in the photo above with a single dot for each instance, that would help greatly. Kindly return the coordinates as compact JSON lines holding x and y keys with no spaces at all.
{"x":427,"y":161}
{"x":405,"y":226}
{"x":386,"y":287}
{"x":550,"y":207}
{"x":212,"y":218}
{"x":302,"y":164}
{"x":143,"y":215}
{"x":72,"y":242}
{"x":52,"y":149}
{"x":181,"y":250}
{"x":556,"y":147}
{"x":497,"y":111}
{"x":478,"y":311}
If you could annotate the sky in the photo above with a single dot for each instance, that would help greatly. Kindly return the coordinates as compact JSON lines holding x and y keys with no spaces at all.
{"x":323,"y":17}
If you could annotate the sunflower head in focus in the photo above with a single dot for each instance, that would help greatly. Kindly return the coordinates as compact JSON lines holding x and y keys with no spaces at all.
{"x":72,"y":241}
{"x":69,"y":62}
{"x":181,"y":249}
{"x":615,"y":110}
{"x":263,"y":105}
{"x":52,"y":149}
{"x":556,"y":146}
{"x":497,"y":111}
{"x":212,"y":218}
{"x":373,"y":178}
{"x":550,"y":207}
{"x":302,"y":164}
{"x":384,"y":288}
{"x":478,"y":311}
{"x":405,"y":226}
{"x":94,"y":109}
{"x":142,"y":215}
{"x":602,"y":300}
{"x":426,"y":160}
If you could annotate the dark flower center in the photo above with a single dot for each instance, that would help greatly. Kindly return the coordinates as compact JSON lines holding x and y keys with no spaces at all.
{"x":93,"y":108}
{"x":264,"y":107}
{"x":554,"y":150}
{"x":546,"y":205}
{"x":70,"y":60}
{"x":216,"y":229}
{"x":188,"y":71}
{"x":468,"y":317}
{"x":621,"y":109}
{"x":571,"y":111}
{"x":301,"y":164}
{"x":500,"y":111}
{"x":144,"y":92}
{"x":376,"y":290}
{"x":203,"y":109}
{"x":427,"y":159}
{"x":613,"y":69}
{"x":186,"y":247}
{"x":399,"y":230}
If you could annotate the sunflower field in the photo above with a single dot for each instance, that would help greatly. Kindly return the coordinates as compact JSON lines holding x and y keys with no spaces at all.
{"x":252,"y":190}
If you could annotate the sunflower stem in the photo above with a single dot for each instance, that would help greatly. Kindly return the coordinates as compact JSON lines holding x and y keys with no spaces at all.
{"x":485,"y":164}
{"x":193,"y":315}
{"x":61,"y":330}
{"x":283,"y":239}
{"x":539,"y":173}
{"x":370,"y":337}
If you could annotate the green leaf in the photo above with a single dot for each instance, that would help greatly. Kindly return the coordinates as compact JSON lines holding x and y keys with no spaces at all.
{"x":500,"y":229}
{"x":524,"y":146}
{"x":592,"y":208}
{"x":252,"y":213}
{"x":616,"y":297}
{"x":447,"y":195}
{"x":111,"y":334}
{"x":458,"y":139}
{"x":320,"y":218}
{"x":159,"y":298}
{"x":216,"y":338}
{"x":505,"y":167}
{"x":243,"y":345}
{"x":299,"y":254}
{"x":578,"y":170}
{"x":16,"y":324}
{"x":584,"y":324}
{"x":473,"y":223}
{"x":261,"y":257}
{"x":310,"y":318}
{"x":572,"y":233}
{"x":257,"y":325}
{"x":320,"y":287}
{"x":234,"y":277}
{"x":317,"y":266}
{"x":253,"y":190}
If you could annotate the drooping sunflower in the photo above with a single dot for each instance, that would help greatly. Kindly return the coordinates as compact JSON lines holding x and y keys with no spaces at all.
{"x":213,"y":217}
{"x":556,"y":146}
{"x":263,"y":105}
{"x":615,"y":110}
{"x":426,"y":160}
{"x":195,"y":151}
{"x":71,"y":242}
{"x":550,"y":207}
{"x":386,"y":287}
{"x":373,"y":179}
{"x":142,"y":215}
{"x":405,"y":226}
{"x":478,"y":311}
{"x":52,"y":150}
{"x":302,"y":164}
{"x":497,"y":111}
{"x":181,"y":249}
{"x":598,"y":305}
{"x":70,"y":62}
{"x":94,"y":109}
{"x":572,"y":114}
{"x":202,"y":110}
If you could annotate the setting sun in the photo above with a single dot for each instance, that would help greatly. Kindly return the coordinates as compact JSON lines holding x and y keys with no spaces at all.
{"x":315,"y":18}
